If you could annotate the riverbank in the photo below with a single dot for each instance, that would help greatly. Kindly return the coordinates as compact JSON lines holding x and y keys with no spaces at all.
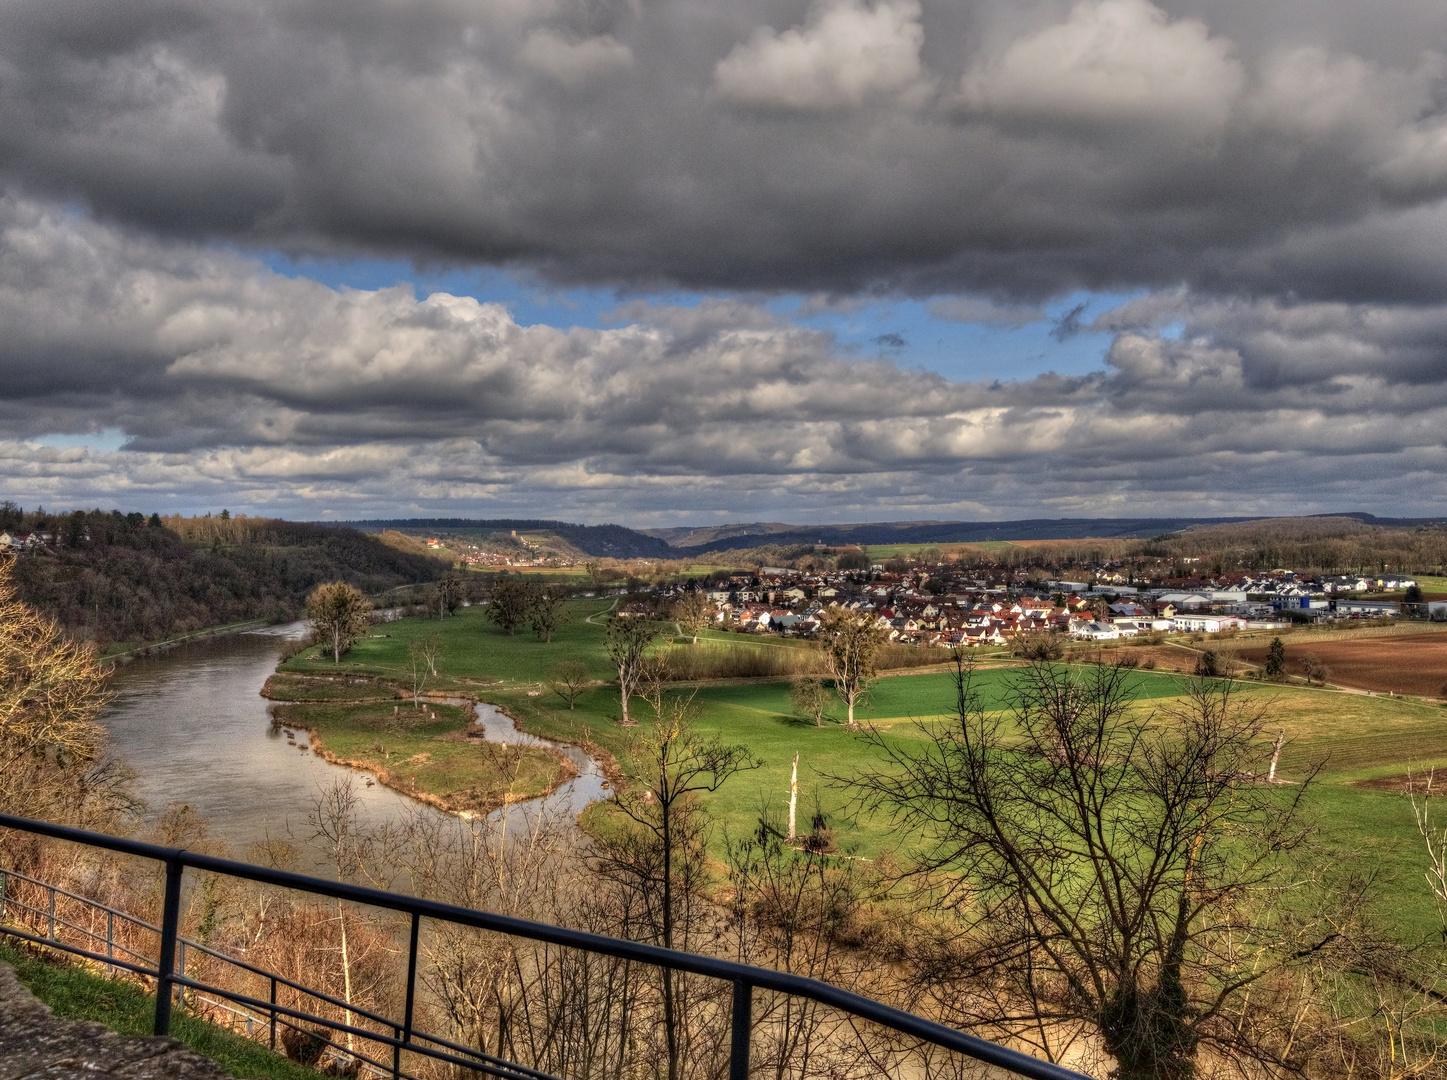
{"x":148,"y":649}
{"x":433,"y":752}
{"x":191,"y":724}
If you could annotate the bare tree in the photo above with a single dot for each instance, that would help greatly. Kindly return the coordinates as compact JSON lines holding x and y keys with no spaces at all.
{"x":659,"y":853}
{"x":509,"y":604}
{"x":429,"y":648}
{"x":51,"y":691}
{"x":447,"y":596}
{"x":851,"y":642}
{"x":811,"y":698}
{"x":333,"y":819}
{"x":1314,"y":668}
{"x":1115,"y":873}
{"x":421,"y":664}
{"x":569,"y":679}
{"x":340,"y":614}
{"x":792,"y":910}
{"x":547,"y":613}
{"x":693,"y":612}
{"x":627,"y":641}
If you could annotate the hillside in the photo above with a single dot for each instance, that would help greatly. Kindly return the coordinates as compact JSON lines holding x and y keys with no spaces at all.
{"x":113,"y":577}
{"x":602,"y":541}
{"x":695,"y":542}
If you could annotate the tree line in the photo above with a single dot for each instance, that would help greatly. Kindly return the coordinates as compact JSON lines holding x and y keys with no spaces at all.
{"x":109,"y":576}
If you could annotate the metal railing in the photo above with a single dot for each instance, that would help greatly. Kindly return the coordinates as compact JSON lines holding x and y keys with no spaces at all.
{"x":400,"y":1034}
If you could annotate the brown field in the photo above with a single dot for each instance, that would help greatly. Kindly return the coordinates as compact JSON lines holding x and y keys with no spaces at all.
{"x":1166,"y":657}
{"x":1404,"y":664}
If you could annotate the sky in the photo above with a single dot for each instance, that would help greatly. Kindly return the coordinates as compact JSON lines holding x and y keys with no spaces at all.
{"x":671,"y":262}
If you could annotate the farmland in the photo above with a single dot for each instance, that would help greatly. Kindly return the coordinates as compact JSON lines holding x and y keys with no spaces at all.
{"x":1402,"y":664}
{"x":1350,"y":737}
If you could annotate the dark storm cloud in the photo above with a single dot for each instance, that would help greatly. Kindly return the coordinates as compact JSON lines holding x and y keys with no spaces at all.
{"x":833,"y":144}
{"x":1271,"y":177}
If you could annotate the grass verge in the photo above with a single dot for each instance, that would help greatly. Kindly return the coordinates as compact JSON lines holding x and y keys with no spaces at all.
{"x":75,"y":994}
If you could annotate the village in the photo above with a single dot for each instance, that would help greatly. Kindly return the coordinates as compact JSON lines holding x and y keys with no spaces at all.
{"x":947,"y":607}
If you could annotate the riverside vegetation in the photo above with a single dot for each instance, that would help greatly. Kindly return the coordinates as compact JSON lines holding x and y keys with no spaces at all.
{"x":1136,"y":899}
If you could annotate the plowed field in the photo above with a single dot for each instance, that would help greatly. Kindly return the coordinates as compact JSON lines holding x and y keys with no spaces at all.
{"x":1409,"y":664}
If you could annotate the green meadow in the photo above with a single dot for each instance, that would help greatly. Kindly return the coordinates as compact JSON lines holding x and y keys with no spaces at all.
{"x":1348,"y":738}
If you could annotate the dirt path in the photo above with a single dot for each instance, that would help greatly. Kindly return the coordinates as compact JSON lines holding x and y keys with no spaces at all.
{"x":610,"y":607}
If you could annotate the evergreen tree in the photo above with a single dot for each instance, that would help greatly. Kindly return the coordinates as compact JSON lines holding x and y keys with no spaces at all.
{"x":1275,"y":659}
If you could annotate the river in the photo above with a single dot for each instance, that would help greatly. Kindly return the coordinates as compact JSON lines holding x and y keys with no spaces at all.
{"x":192,"y":723}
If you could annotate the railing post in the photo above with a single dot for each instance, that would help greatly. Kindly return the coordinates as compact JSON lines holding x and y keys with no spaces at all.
{"x":4,"y":880}
{"x":166,"y":963}
{"x":405,"y":1035}
{"x":111,"y":938}
{"x":51,"y":933}
{"x":273,"y":1012}
{"x":742,"y":1030}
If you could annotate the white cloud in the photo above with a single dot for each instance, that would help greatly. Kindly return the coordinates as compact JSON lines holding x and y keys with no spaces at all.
{"x":1112,"y":62}
{"x":845,"y":55}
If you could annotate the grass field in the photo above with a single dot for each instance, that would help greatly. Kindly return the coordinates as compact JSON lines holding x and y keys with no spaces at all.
{"x":474,"y":651}
{"x":75,"y":994}
{"x":421,"y":752}
{"x":1352,"y":736}
{"x":760,"y":716}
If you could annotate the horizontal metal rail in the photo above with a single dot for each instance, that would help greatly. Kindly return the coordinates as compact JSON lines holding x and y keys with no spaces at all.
{"x":744,"y":977}
{"x":460,"y":1054}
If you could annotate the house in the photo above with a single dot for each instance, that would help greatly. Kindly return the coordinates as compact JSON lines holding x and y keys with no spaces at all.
{"x":1206,"y":624}
{"x":1374,"y":609}
{"x":1301,"y":601}
{"x":1094,"y":631}
{"x":1128,"y":612}
{"x":1185,"y":601}
{"x":9,"y":541}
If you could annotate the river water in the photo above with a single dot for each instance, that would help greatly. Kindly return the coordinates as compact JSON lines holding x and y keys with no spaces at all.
{"x":193,"y":725}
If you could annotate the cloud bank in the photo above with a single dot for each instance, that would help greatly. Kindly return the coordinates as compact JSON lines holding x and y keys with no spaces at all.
{"x":228,"y":377}
{"x":1270,"y":177}
{"x":847,"y":144}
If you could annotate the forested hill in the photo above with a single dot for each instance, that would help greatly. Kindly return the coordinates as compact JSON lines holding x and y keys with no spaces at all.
{"x":114,"y":577}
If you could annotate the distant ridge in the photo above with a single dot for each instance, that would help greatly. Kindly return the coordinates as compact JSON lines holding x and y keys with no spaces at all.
{"x":620,"y":542}
{"x":685,"y":542}
{"x":612,"y":541}
{"x":720,"y":538}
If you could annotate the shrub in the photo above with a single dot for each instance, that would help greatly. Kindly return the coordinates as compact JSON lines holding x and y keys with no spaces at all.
{"x":1315,"y":669}
{"x":1040,"y":646}
{"x":303,"y":1046}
